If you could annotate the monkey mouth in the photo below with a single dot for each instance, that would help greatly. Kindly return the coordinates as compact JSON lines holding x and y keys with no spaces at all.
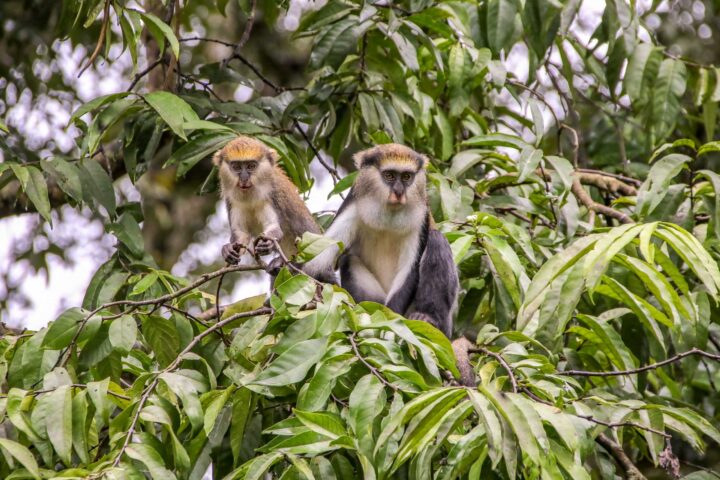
{"x":396,"y":201}
{"x":244,"y":186}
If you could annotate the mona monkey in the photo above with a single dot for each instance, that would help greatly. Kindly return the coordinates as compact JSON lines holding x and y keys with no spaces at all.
{"x":263,"y":204}
{"x":393,"y":253}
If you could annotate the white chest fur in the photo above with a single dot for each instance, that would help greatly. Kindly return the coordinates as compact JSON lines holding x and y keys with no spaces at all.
{"x":246,"y":216}
{"x":387,"y":255}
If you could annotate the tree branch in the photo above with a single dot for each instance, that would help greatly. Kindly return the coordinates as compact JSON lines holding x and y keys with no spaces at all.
{"x":585,"y":198}
{"x":367,"y":364}
{"x":502,"y":362}
{"x":620,"y":457}
{"x":652,"y":366}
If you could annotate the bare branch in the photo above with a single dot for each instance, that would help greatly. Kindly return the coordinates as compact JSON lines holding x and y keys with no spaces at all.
{"x":372,"y":369}
{"x":585,"y":198}
{"x":101,"y":38}
{"x":502,"y":362}
{"x":652,"y":366}
{"x":620,"y":457}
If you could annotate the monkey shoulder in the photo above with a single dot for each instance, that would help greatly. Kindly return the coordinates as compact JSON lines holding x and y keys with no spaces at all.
{"x":294,"y":215}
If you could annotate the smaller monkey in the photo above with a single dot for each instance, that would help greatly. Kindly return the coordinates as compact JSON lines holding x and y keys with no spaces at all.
{"x":263,"y":204}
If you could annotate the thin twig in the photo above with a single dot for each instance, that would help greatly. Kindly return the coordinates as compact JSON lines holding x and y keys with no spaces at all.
{"x":652,"y":366}
{"x":502,"y":362}
{"x":248,"y":28}
{"x":101,"y":38}
{"x":141,"y":74}
{"x":372,"y":369}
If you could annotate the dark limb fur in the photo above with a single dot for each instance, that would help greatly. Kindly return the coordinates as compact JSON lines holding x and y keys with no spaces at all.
{"x":438,"y":284}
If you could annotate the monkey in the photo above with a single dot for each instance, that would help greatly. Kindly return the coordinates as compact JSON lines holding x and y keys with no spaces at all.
{"x":393,"y":254}
{"x":263,"y":205}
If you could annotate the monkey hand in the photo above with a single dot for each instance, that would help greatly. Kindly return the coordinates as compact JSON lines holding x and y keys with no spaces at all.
{"x":232,"y":252}
{"x":421,"y":316}
{"x":264,"y":246}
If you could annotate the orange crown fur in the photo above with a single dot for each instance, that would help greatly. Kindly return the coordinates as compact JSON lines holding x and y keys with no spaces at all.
{"x":390,"y":154}
{"x":244,"y":148}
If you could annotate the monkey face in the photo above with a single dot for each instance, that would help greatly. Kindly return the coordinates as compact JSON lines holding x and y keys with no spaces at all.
{"x":398,"y":182}
{"x":244,"y":171}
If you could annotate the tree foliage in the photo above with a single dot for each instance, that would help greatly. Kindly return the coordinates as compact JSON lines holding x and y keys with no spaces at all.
{"x":581,"y":202}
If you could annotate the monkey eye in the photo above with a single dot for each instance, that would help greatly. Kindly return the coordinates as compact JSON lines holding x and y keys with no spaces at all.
{"x":406,"y":177}
{"x":252,"y":165}
{"x":388,"y":175}
{"x":236,"y":166}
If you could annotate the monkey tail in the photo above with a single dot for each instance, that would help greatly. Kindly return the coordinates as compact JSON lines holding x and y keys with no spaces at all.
{"x":461,"y":346}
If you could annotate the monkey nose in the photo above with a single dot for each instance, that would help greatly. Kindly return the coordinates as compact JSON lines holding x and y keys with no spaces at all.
{"x":396,"y":199}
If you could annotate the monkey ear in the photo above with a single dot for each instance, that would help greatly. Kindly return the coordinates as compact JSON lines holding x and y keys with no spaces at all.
{"x":366,"y":158}
{"x":423,"y":161}
{"x":218,"y":157}
{"x":273,"y":156}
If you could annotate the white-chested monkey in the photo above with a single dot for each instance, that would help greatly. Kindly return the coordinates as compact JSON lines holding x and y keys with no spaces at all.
{"x":393,"y":253}
{"x":262,"y":203}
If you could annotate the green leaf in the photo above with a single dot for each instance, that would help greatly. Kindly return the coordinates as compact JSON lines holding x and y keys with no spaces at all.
{"x":213,"y":410}
{"x":123,"y":333}
{"x":148,"y":456}
{"x":94,"y":104}
{"x":669,"y":88}
{"x":324,"y":423}
{"x":200,"y":147}
{"x":145,"y":282}
{"x":367,"y":401}
{"x":293,"y":364}
{"x":161,"y":30}
{"x":67,"y":176}
{"x":22,"y":455}
{"x":172,"y":109}
{"x":59,"y":423}
{"x":129,"y":234}
{"x":296,"y":290}
{"x":162,"y":336}
{"x":97,"y":186}
{"x":655,"y":187}
{"x":37,"y":192}
{"x":344,"y":183}
{"x":62,"y":330}
{"x":500,"y":24}
{"x":186,"y":389}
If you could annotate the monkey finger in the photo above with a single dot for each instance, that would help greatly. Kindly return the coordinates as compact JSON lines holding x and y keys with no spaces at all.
{"x":229,"y":254}
{"x":420,"y":316}
{"x":264,"y":246}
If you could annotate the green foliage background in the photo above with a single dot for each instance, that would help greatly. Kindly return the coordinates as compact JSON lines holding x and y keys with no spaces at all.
{"x":582,"y":205}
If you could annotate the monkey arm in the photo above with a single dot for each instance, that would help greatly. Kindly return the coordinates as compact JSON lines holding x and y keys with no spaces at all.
{"x":239,"y":239}
{"x":272,"y":231}
{"x":438,"y":284}
{"x":342,"y":229}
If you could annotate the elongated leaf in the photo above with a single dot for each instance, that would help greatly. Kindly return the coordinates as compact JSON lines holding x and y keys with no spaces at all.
{"x":59,"y":423}
{"x":173,"y":110}
{"x":22,"y":455}
{"x":293,"y":364}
